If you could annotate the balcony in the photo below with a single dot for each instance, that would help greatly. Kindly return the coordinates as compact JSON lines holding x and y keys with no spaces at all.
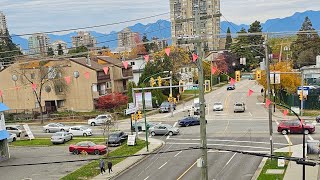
{"x":127,"y":73}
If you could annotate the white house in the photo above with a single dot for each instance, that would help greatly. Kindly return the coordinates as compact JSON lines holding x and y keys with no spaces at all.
{"x":138,"y":65}
{"x":312,"y":73}
{"x":4,"y":135}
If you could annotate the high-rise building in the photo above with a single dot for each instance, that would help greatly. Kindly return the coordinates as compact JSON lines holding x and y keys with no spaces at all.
{"x":3,"y":23}
{"x":83,"y":39}
{"x":38,"y":44}
{"x":127,"y":39}
{"x":183,"y":27}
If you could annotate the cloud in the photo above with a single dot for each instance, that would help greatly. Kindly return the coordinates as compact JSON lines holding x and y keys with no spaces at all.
{"x":29,"y":16}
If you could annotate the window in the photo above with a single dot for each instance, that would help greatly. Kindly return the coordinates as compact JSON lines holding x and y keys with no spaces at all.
{"x":109,"y":85}
{"x":60,"y":103}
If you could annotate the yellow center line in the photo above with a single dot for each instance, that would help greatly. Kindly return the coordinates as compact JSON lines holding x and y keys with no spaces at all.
{"x":184,"y":173}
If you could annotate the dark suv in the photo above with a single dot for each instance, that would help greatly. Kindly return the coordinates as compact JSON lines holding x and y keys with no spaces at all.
{"x":117,"y":138}
{"x":295,"y":126}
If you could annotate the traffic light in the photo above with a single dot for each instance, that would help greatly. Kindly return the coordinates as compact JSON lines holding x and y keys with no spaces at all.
{"x":237,"y":76}
{"x":152,"y":82}
{"x":159,"y":81}
{"x":139,"y":115}
{"x":300,"y":96}
{"x":258,"y":74}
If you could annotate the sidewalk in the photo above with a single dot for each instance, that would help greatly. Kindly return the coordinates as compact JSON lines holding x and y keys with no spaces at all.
{"x":154,"y":144}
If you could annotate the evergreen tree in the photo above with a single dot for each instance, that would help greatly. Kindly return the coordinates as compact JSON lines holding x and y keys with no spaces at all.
{"x":228,"y":39}
{"x":257,"y":51}
{"x":307,"y":45}
{"x":78,"y":50}
{"x":8,"y":48}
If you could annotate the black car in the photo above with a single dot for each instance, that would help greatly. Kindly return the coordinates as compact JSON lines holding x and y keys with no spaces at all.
{"x":165,"y":107}
{"x":117,"y":138}
{"x":231,"y":87}
{"x":190,"y":121}
{"x":318,"y":118}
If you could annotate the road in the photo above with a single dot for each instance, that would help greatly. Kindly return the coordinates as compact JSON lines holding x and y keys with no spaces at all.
{"x":248,"y":131}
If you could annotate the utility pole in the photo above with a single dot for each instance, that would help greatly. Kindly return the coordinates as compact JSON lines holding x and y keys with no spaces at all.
{"x":171,"y":102}
{"x":302,"y":83}
{"x":269,"y":91}
{"x":203,"y":131}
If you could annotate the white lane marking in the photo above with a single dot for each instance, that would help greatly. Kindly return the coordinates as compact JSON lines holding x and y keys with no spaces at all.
{"x":177,"y":153}
{"x":286,"y":136}
{"x":174,"y":125}
{"x":310,"y":137}
{"x":163,"y":165}
{"x":146,"y":178}
{"x":229,"y":160}
{"x":216,"y":151}
{"x":229,"y":145}
{"x":250,"y":114}
{"x":220,"y":140}
{"x":168,"y":137}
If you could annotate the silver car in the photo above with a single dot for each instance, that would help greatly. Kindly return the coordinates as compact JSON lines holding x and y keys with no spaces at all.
{"x":239,"y":107}
{"x":12,"y":137}
{"x":163,"y":129}
{"x":61,"y":137}
{"x":55,"y":127}
{"x":15,"y":129}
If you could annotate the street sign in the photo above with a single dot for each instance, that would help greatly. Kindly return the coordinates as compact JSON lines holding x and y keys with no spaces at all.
{"x":28,"y":131}
{"x":305,"y":90}
{"x":281,"y":162}
{"x":131,"y":110}
{"x":131,"y":140}
{"x":275,"y":77}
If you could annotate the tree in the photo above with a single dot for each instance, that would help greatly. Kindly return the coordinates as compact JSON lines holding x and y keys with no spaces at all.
{"x":307,"y":45}
{"x":7,"y":48}
{"x":44,"y":75}
{"x":79,"y":51}
{"x":112,"y":101}
{"x":131,"y":85}
{"x":228,"y":39}
{"x":60,"y":50}
{"x":50,"y":51}
{"x":289,"y":82}
{"x":140,"y":48}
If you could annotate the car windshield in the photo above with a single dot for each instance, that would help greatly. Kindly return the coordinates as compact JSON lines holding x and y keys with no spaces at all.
{"x":60,"y":124}
{"x":238,"y":104}
{"x":197,"y":105}
{"x":168,"y":126}
{"x":91,"y":144}
{"x":113,"y":136}
{"x":165,"y":104}
{"x":57,"y":134}
{"x":217,"y":104}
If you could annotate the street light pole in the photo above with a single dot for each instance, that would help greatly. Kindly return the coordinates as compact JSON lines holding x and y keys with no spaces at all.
{"x":269,"y":91}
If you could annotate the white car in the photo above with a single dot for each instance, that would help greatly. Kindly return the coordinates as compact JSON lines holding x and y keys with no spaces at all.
{"x":61,"y":137}
{"x":100,"y":119}
{"x":80,"y":131}
{"x":55,"y":127}
{"x":12,"y":137}
{"x":217,"y":106}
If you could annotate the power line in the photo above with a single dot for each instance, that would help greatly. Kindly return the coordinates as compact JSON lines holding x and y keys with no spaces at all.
{"x":229,"y":23}
{"x":89,"y":27}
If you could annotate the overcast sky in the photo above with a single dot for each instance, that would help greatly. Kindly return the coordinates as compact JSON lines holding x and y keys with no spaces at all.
{"x":29,"y":16}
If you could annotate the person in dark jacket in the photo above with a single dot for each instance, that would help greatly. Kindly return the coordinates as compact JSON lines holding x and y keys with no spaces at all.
{"x":110,"y":166}
{"x":101,"y":164}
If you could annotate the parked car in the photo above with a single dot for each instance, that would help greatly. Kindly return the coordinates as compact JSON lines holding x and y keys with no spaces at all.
{"x":15,"y":129}
{"x":217,"y":106}
{"x":80,"y":131}
{"x":141,"y":125}
{"x":61,"y":137}
{"x":12,"y":137}
{"x":295,"y":126}
{"x":100,"y":119}
{"x":231,"y":87}
{"x":189,"y":121}
{"x":55,"y":127}
{"x":165,"y":107}
{"x":88,"y":147}
{"x":117,"y":138}
{"x":163,"y":129}
{"x":318,"y":118}
{"x":239,"y":107}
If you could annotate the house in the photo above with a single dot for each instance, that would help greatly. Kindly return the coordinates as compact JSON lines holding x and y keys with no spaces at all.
{"x":4,"y":135}
{"x":69,"y":84}
{"x":312,"y":73}
{"x":137,"y":65}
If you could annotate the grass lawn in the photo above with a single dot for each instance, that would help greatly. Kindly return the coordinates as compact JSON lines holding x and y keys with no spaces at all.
{"x":273,"y":164}
{"x":92,"y":169}
{"x":47,"y":142}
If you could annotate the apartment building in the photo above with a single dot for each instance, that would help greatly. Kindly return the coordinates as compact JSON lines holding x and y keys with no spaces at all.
{"x":59,"y":46}
{"x":3,"y":23}
{"x":38,"y":44}
{"x":183,"y":27}
{"x":127,"y":39}
{"x":83,"y":38}
{"x":87,"y":83}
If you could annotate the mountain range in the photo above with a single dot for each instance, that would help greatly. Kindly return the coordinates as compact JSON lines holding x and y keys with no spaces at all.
{"x":161,"y":29}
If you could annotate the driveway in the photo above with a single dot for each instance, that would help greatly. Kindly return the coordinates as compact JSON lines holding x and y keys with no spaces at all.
{"x":22,"y":155}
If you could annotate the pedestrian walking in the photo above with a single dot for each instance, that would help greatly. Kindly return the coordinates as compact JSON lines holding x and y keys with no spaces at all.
{"x":101,"y":164}
{"x":110,"y":166}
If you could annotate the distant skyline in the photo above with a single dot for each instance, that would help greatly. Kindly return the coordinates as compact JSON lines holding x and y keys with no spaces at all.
{"x":30,"y":16}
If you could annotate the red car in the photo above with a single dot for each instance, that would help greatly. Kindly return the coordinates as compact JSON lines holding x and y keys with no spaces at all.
{"x":295,"y":127}
{"x":89,"y":147}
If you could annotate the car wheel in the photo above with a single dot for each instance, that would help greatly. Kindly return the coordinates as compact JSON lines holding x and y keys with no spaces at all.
{"x":187,"y":124}
{"x":62,"y":130}
{"x":153,"y":133}
{"x":75,"y":152}
{"x":284,"y":132}
{"x":85,"y":135}
{"x":93,"y":124}
{"x":170,"y":133}
{"x":14,"y":139}
{"x":19,"y":135}
{"x":96,"y":152}
{"x":47,"y":130}
{"x":64,"y":141}
{"x":306,"y":131}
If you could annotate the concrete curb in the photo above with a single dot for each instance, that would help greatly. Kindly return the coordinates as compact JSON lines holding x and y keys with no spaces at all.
{"x":137,"y":162}
{"x":260,"y":167}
